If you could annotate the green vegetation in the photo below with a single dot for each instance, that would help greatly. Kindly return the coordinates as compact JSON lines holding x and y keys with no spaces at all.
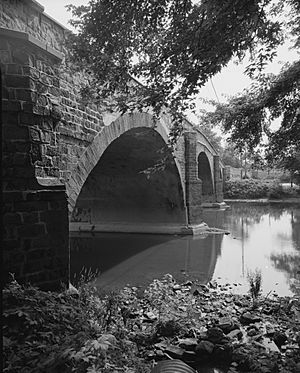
{"x":253,"y":188}
{"x":127,"y":331}
{"x":255,"y":282}
{"x":61,"y":332}
{"x":173,"y":47}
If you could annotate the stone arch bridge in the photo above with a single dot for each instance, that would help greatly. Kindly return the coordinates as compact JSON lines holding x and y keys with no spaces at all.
{"x":71,"y":164}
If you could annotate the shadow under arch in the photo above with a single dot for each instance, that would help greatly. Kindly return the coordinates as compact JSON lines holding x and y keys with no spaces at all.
{"x":136,"y":260}
{"x":110,"y":188}
{"x":205,"y":174}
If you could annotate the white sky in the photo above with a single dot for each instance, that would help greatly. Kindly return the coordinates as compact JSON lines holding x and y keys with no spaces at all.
{"x":231,"y":80}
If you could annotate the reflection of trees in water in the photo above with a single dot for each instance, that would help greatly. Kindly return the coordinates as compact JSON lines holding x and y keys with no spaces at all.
{"x":295,"y":222}
{"x":244,"y":215}
{"x":290,"y":264}
{"x":295,"y":225}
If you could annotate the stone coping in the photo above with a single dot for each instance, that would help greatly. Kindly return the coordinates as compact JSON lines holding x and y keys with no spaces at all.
{"x":214,"y":205}
{"x":117,"y":227}
{"x":8,"y":33}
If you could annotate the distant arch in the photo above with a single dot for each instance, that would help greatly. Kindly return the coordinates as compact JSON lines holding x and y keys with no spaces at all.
{"x":205,"y":174}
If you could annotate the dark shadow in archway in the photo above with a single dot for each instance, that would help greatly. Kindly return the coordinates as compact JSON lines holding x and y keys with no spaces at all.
{"x":118,"y":191}
{"x":204,"y":173}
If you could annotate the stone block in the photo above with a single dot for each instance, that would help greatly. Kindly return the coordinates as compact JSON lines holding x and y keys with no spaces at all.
{"x":58,"y":205}
{"x":31,"y":206}
{"x":35,"y":254}
{"x":10,"y":245}
{"x":20,"y":56}
{"x":11,"y":105}
{"x":17,"y":257}
{"x":14,"y":69}
{"x":14,"y":132}
{"x":5,"y":56}
{"x":9,"y":118}
{"x":30,"y":119}
{"x":16,"y":81}
{"x":25,"y":95}
{"x":12,"y":196}
{"x":31,"y":230}
{"x":35,"y":134}
{"x":23,"y":172}
{"x":30,"y":217}
{"x":18,"y":159}
{"x":3,"y":43}
{"x":12,"y":219}
{"x":40,"y":242}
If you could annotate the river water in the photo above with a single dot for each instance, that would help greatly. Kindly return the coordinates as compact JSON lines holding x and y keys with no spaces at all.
{"x":263,"y":237}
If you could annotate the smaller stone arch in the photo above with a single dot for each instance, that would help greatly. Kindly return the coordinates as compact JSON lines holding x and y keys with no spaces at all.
{"x":205,"y":175}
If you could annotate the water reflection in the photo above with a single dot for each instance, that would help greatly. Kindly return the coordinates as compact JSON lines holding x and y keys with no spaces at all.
{"x":290,"y":262}
{"x":265,"y":237}
{"x":262,"y":236}
{"x":138,"y":259}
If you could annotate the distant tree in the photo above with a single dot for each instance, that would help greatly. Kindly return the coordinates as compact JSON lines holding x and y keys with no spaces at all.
{"x":230,"y":156}
{"x":211,"y":134}
{"x":172,"y":46}
{"x":247,"y":116}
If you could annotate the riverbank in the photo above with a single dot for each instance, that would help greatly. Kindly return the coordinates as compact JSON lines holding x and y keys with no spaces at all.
{"x":129,"y":331}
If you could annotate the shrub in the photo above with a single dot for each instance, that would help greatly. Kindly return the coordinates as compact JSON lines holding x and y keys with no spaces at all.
{"x":255,"y":281}
{"x":253,"y":188}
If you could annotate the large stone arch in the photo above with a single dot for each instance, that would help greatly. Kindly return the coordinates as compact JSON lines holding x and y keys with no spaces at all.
{"x":163,"y":191}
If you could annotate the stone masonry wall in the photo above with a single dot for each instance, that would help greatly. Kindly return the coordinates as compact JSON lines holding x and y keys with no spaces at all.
{"x":35,"y":220}
{"x":35,"y":217}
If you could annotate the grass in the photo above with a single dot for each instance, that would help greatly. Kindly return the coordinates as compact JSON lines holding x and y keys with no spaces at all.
{"x":255,"y":281}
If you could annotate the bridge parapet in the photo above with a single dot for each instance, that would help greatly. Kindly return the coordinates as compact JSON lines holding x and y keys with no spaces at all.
{"x":28,"y":16}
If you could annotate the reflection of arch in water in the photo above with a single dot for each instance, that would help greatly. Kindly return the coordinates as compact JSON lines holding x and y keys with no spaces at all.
{"x":201,"y":261}
{"x":205,"y":174}
{"x":183,"y":257}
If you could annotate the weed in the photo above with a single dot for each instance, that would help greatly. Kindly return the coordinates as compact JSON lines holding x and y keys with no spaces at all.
{"x":255,"y":281}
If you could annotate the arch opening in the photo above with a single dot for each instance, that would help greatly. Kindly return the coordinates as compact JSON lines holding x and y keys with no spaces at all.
{"x":204,"y":173}
{"x":120,"y":190}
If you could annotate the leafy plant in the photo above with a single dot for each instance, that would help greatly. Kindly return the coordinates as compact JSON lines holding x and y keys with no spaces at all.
{"x":255,"y":281}
{"x":57,"y":332}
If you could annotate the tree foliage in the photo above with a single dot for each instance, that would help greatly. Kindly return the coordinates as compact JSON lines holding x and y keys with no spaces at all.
{"x":172,"y":46}
{"x":247,"y":116}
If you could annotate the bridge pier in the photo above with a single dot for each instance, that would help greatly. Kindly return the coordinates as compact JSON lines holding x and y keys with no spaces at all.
{"x":193,"y":185}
